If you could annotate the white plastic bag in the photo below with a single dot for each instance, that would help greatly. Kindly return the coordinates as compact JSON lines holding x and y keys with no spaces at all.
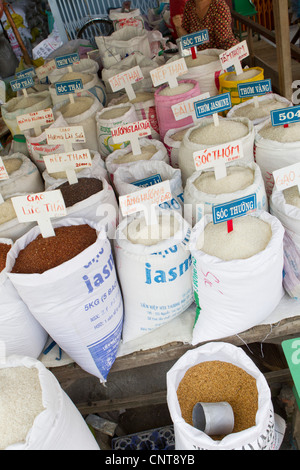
{"x":153,"y":172}
{"x":20,"y":333}
{"x":104,"y":127}
{"x":60,"y":426}
{"x":271,"y":155}
{"x":268,"y":432}
{"x":202,"y":203}
{"x":187,"y":148}
{"x":233,"y":296}
{"x":111,"y":161}
{"x":27,"y":179}
{"x":78,"y":303}
{"x":159,"y":287}
{"x":124,"y":42}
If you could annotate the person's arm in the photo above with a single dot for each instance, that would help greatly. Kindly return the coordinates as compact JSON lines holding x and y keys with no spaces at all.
{"x":177,"y":20}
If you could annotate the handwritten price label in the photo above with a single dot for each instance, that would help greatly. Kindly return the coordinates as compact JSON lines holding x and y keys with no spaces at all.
{"x":217,"y":157}
{"x":3,"y":173}
{"x":234,"y":56}
{"x":169,"y":73}
{"x":287,"y":177}
{"x":126,"y":80}
{"x":36,"y":119}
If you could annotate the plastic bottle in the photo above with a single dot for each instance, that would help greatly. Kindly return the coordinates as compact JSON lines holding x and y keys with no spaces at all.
{"x":19,"y":145}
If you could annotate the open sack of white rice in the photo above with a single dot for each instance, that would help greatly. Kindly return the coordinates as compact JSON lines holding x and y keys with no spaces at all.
{"x":260,"y":113}
{"x":275,"y":148}
{"x":203,"y":190}
{"x":151,"y":150}
{"x":237,"y":276}
{"x":206,"y":134}
{"x":35,"y":412}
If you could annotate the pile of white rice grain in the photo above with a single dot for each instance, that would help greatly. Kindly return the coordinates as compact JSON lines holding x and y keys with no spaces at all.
{"x":280,"y":133}
{"x":7,"y":212}
{"x":292,"y":197}
{"x":147,"y":153}
{"x":262,"y":111}
{"x":226,"y":131}
{"x":249,"y":237}
{"x":178,"y":90}
{"x":20,"y":403}
{"x":80,"y":106}
{"x":138,"y":232}
{"x":237,"y":179}
{"x":245,"y":75}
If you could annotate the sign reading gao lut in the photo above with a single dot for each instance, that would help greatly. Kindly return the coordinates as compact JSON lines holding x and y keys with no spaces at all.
{"x":132,"y":132}
{"x":213,"y":106}
{"x":255,"y":89}
{"x":186,"y":108}
{"x":40,"y":208}
{"x":192,"y":41}
{"x":169,"y":73}
{"x":234,"y":56}
{"x":22,"y":84}
{"x":217,"y":157}
{"x":285,"y":116}
{"x":231,"y":210}
{"x":69,"y":87}
{"x":35,"y":120}
{"x":66,"y":136}
{"x":67,"y":61}
{"x":291,"y":349}
{"x":146,"y":200}
{"x":287,"y":177}
{"x":68,"y":162}
{"x":126,"y":80}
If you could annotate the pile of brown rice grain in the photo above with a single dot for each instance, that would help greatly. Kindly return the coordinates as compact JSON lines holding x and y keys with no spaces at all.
{"x":217,"y":381}
{"x":4,"y":249}
{"x":20,"y":403}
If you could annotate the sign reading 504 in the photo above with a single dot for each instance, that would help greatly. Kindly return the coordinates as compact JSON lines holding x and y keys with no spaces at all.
{"x":284,"y":116}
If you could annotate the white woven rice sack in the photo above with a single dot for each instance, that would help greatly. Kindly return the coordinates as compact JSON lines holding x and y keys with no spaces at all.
{"x":222,"y":310}
{"x":202,"y":203}
{"x":125,"y":177}
{"x":98,"y":167}
{"x":83,"y":117}
{"x":27,"y":179}
{"x":271,"y":155}
{"x":20,"y":333}
{"x":288,"y":215}
{"x":88,"y":66}
{"x":159,"y":287}
{"x":105,"y":125}
{"x":187,"y":148}
{"x":88,"y":335}
{"x":173,"y":145}
{"x":207,"y":72}
{"x":269,"y":429}
{"x":112,"y":164}
{"x":12,"y":228}
{"x":261,"y":114}
{"x":59,"y":426}
{"x":21,"y":105}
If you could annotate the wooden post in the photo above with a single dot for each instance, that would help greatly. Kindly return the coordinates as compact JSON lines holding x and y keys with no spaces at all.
{"x":26,"y":56}
{"x":283,"y":45}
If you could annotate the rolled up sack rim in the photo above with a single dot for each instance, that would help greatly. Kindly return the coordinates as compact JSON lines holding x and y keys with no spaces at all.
{"x":137,"y":249}
{"x":239,"y":265}
{"x":61,"y":271}
{"x":261,"y":99}
{"x":151,"y":166}
{"x":4,"y":241}
{"x":20,"y":172}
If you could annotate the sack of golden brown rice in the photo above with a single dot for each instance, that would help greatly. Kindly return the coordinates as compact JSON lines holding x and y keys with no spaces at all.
{"x":221,"y":372}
